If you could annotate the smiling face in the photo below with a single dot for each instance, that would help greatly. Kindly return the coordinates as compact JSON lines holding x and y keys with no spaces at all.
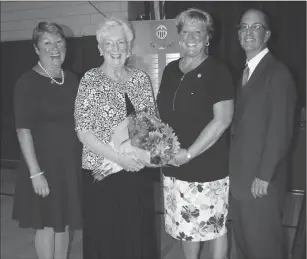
{"x":193,"y":37}
{"x":51,"y":50}
{"x":114,"y":47}
{"x":253,"y":34}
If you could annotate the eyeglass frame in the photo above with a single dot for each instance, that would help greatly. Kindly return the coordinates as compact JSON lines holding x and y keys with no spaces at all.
{"x":112,"y":44}
{"x":252,"y":27}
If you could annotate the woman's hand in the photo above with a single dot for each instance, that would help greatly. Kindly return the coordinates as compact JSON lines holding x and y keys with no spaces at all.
{"x":40,"y":185}
{"x":130,"y":163}
{"x":180,"y":158}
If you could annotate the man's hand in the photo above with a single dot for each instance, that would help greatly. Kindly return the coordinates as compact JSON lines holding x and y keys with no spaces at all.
{"x":259,"y":188}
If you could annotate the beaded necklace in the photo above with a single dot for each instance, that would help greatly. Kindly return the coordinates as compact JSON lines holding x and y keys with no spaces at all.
{"x":53,"y":80}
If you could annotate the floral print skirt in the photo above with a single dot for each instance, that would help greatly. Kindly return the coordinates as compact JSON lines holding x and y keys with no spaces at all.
{"x":195,"y":211}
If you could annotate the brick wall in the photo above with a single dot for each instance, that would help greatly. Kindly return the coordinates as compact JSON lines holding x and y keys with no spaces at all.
{"x":18,"y":19}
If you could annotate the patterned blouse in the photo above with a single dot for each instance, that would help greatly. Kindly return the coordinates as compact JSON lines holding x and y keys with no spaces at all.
{"x":100,"y":106}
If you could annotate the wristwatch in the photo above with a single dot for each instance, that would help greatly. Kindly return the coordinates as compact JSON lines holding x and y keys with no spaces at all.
{"x":188,"y":154}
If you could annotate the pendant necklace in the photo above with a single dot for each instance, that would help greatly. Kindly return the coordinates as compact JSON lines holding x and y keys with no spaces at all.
{"x":52,"y":79}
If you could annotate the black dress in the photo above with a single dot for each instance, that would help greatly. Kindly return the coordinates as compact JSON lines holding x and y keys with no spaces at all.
{"x":47,"y":110}
{"x":123,"y":227}
{"x":118,"y":212}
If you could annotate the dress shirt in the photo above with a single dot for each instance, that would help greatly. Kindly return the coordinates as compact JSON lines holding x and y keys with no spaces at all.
{"x":252,"y":64}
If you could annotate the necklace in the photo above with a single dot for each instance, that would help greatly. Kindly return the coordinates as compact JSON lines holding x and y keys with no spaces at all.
{"x":53,"y":80}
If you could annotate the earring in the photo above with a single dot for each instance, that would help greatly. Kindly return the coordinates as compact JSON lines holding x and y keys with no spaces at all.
{"x":207,"y":43}
{"x":180,"y":43}
{"x":100,"y":54}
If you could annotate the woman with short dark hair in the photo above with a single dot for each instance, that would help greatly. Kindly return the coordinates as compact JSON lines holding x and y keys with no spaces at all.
{"x":47,"y":194}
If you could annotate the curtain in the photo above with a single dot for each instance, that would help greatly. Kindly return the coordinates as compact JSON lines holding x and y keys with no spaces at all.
{"x":15,"y":57}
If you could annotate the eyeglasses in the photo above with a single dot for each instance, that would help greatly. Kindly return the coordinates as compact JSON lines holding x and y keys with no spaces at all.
{"x":254,"y":27}
{"x":108,"y":45}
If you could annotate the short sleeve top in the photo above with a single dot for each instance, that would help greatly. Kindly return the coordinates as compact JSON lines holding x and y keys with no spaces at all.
{"x":37,"y":101}
{"x":185,"y":102}
{"x":47,"y":110}
{"x":100,"y":106}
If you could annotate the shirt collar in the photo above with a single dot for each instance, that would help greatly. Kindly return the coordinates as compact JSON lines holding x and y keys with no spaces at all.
{"x":252,"y":64}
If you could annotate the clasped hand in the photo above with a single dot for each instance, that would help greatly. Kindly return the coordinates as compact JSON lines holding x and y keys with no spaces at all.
{"x":259,"y":188}
{"x":180,"y":158}
{"x":127,"y":161}
{"x":130,"y":163}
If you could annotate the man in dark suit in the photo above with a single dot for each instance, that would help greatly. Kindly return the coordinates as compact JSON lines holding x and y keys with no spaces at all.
{"x":262,"y":131}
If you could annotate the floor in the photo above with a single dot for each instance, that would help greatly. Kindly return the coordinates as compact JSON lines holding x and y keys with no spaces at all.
{"x":17,"y":243}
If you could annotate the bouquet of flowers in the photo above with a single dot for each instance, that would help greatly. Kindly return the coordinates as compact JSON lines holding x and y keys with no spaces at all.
{"x":153,"y":142}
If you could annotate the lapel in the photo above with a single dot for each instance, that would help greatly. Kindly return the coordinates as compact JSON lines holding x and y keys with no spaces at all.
{"x":250,"y":86}
{"x":259,"y":70}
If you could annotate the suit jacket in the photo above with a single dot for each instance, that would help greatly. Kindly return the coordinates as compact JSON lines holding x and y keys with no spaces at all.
{"x":262,"y":128}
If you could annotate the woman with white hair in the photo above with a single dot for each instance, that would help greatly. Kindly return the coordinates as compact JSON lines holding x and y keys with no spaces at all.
{"x":118,"y":211}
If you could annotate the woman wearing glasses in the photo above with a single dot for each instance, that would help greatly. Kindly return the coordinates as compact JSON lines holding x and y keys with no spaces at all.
{"x":118,"y":211}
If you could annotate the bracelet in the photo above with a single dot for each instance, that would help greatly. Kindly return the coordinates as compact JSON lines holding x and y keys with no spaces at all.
{"x":188,"y":155}
{"x":32,"y":176}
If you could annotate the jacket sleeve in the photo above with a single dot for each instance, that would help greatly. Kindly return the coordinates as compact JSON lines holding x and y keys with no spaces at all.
{"x":281,"y":106}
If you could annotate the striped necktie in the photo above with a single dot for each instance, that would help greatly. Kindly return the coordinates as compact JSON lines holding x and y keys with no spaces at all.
{"x":245,"y":75}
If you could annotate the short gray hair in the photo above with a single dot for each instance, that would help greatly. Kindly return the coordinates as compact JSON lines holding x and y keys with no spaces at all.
{"x":194,"y":14}
{"x":102,"y":29}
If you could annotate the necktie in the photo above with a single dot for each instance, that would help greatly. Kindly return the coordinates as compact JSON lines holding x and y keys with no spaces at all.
{"x":245,"y":75}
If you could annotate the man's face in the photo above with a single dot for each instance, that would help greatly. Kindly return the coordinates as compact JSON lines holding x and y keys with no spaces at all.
{"x":253,"y":33}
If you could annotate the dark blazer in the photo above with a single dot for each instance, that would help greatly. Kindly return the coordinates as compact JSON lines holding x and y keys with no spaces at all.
{"x":262,"y":128}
